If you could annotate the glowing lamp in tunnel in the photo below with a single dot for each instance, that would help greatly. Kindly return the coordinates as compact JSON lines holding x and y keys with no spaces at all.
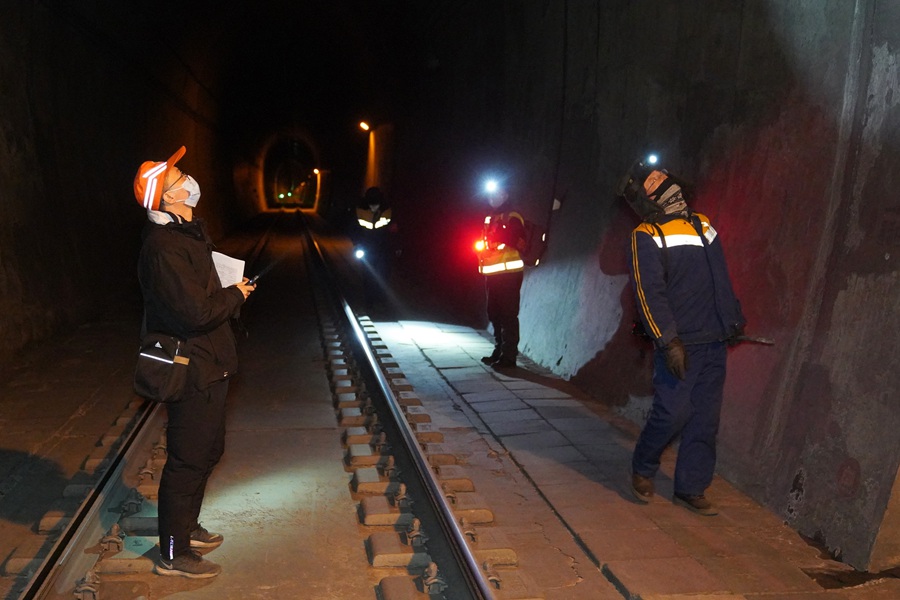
{"x":479,"y":245}
{"x":316,"y":171}
{"x":359,"y":253}
{"x":364,"y":126}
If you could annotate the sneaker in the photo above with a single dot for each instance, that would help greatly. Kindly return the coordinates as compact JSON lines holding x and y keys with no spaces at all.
{"x":201,"y":538}
{"x":698,"y":504}
{"x":190,"y":565}
{"x":642,"y":488}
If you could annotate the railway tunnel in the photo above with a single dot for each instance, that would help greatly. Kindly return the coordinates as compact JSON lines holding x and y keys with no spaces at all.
{"x":784,"y":114}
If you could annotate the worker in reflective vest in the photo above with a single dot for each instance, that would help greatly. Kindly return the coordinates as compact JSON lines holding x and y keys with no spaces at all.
{"x":373,"y":214}
{"x":503,"y":268}
{"x":374,"y":241}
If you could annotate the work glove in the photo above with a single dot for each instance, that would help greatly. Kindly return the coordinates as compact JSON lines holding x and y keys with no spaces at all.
{"x":676,"y":358}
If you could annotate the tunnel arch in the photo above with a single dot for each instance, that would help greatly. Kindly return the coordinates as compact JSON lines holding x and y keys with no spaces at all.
{"x":285,"y":160}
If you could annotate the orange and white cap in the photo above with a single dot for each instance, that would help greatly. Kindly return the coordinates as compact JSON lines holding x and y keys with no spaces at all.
{"x":150,"y":179}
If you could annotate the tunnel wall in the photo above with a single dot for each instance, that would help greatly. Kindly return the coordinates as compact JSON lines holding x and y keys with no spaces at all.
{"x":785,"y":117}
{"x":82,"y":105}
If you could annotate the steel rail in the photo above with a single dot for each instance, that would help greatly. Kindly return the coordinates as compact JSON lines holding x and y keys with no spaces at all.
{"x":467,"y":564}
{"x":56,"y":564}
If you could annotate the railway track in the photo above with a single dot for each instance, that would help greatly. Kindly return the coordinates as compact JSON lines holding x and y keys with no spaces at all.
{"x":418,"y":544}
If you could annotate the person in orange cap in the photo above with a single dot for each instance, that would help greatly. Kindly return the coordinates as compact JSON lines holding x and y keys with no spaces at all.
{"x":184,"y":298}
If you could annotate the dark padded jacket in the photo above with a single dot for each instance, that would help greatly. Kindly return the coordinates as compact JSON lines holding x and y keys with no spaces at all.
{"x":183,"y":297}
{"x":682,"y":287}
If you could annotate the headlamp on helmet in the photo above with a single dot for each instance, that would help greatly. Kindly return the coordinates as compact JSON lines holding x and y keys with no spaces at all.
{"x":495,"y":192}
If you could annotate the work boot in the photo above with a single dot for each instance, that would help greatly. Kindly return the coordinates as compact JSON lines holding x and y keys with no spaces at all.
{"x":190,"y":565}
{"x":698,"y":504}
{"x":504,"y":363}
{"x":489,"y":360}
{"x":201,"y":538}
{"x":642,"y":488}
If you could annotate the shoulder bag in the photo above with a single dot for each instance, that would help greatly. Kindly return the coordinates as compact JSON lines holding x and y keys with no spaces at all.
{"x":162,"y":366}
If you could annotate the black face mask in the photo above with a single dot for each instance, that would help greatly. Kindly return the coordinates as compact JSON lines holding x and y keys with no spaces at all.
{"x":631,"y":187}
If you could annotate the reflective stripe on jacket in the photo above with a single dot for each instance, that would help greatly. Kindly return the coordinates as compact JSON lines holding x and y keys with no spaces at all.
{"x":502,"y":232}
{"x":682,"y":287}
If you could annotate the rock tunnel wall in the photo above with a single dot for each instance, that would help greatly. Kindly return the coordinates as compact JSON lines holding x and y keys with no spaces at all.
{"x":785,"y":116}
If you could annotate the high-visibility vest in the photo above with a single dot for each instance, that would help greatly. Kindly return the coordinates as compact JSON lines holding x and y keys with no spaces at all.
{"x":373,"y":220}
{"x":499,"y":258}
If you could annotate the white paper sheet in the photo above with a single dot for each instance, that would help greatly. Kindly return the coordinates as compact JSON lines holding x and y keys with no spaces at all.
{"x":230,"y":270}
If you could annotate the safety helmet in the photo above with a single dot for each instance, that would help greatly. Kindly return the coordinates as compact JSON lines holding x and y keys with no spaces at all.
{"x":643,"y":186}
{"x":150,"y":179}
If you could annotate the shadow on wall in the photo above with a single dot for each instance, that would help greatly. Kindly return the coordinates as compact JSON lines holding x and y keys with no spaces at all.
{"x":624,"y":368}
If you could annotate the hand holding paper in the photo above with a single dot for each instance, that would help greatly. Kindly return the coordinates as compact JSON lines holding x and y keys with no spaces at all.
{"x":230,"y":270}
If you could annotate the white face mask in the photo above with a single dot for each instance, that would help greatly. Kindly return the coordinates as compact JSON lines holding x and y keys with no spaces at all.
{"x":496,"y":200}
{"x":193,"y":188}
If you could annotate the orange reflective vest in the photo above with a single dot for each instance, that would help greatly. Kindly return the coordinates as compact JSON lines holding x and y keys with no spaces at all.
{"x":499,"y":255}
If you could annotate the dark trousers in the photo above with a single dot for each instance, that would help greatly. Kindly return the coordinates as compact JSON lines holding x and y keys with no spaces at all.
{"x":503,"y":311}
{"x":195,"y":441}
{"x":690,"y":408}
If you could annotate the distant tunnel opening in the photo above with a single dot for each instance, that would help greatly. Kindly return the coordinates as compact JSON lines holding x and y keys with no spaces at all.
{"x":291,"y":174}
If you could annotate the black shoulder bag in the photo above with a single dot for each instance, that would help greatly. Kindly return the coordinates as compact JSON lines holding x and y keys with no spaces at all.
{"x":161,"y":371}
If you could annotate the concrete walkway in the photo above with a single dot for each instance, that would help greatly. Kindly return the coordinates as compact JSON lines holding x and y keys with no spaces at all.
{"x":576,"y":456}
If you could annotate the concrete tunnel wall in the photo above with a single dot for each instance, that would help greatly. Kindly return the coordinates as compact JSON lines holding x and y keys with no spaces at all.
{"x":82,"y":105}
{"x":783,"y":113}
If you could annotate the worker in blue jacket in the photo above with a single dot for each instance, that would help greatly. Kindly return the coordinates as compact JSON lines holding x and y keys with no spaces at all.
{"x":688,"y":308}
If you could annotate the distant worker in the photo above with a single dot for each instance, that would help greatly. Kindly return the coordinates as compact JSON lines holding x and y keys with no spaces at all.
{"x":374,"y":243}
{"x":184,"y":298}
{"x":688,"y":308}
{"x":373,"y":212}
{"x":504,"y":271}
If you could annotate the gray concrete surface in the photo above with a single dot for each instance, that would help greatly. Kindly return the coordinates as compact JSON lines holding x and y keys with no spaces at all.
{"x":554,"y":468}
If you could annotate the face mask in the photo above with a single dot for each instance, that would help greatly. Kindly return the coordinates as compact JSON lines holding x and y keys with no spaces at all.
{"x":672,"y":201}
{"x":193,"y":188}
{"x":496,"y":200}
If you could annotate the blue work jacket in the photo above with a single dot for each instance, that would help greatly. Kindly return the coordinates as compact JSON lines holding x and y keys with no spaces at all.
{"x":681,"y":282}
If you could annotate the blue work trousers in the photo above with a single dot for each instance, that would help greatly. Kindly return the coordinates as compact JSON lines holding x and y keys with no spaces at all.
{"x":690,"y":408}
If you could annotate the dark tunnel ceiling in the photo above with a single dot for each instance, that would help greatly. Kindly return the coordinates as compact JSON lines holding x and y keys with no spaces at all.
{"x":320,"y":65}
